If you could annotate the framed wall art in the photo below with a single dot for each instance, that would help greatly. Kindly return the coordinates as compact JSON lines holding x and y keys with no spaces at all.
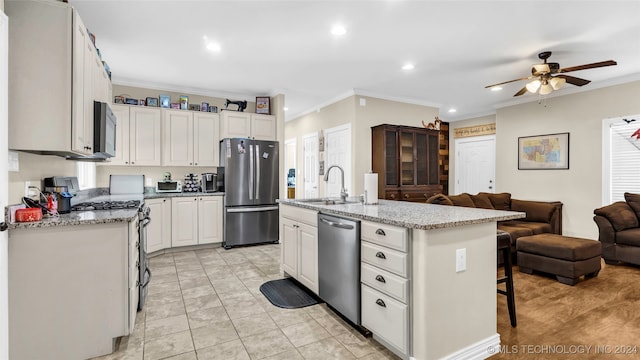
{"x":152,"y":101}
{"x":263,"y":105}
{"x":544,"y":152}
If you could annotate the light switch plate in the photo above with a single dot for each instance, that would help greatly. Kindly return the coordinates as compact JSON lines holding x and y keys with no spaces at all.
{"x":461,"y":260}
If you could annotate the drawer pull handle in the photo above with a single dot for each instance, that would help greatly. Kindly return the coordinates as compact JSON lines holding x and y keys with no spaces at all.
{"x":380,"y":232}
{"x":380,"y":255}
{"x":380,"y":278}
{"x":381,"y":303}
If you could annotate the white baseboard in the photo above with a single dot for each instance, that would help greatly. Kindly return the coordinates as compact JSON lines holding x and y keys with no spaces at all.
{"x":480,"y":350}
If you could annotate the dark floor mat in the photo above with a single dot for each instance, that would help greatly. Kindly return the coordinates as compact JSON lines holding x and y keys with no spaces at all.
{"x":288,"y":294}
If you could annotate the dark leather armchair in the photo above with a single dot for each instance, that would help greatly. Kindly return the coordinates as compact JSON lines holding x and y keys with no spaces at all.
{"x":619,"y":230}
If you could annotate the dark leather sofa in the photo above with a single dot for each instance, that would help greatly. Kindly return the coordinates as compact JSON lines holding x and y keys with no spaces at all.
{"x":619,"y":230}
{"x":542,"y":216}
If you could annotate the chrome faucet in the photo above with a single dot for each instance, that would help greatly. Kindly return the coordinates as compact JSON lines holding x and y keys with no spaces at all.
{"x":343,"y":191}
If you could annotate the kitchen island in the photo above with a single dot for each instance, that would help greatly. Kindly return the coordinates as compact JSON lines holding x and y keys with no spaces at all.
{"x":449,"y":314}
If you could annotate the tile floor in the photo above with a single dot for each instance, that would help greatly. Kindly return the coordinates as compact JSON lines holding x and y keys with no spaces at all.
{"x":206,"y":304}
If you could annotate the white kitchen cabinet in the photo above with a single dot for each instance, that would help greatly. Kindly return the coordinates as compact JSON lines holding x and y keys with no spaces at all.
{"x":190,"y":138}
{"x":122,"y":136}
{"x":196,"y":220}
{"x":299,"y":245}
{"x":247,"y":125}
{"x":144,"y":136}
{"x":159,"y":229}
{"x":53,"y":84}
{"x":210,"y":219}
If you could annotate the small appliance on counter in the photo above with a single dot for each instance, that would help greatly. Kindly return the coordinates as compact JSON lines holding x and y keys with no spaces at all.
{"x":70,"y":182}
{"x":191,"y":183}
{"x":63,"y":198}
{"x":209,"y":182}
{"x":167,"y":185}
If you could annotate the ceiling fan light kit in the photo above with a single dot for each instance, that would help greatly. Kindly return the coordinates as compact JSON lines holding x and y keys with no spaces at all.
{"x":544,"y":80}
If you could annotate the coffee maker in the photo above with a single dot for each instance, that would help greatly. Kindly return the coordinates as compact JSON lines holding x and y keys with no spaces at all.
{"x":63,"y":197}
{"x":209,"y":182}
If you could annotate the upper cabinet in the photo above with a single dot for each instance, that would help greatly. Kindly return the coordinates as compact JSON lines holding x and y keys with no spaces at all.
{"x":235,"y":124}
{"x":138,"y":138}
{"x":54,"y":80}
{"x":189,"y":138}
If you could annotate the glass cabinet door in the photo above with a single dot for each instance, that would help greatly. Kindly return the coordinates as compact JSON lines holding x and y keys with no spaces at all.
{"x":391,"y":157}
{"x":407,"y":156}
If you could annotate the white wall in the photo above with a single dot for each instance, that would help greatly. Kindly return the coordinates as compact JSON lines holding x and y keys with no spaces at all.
{"x":581,"y":115}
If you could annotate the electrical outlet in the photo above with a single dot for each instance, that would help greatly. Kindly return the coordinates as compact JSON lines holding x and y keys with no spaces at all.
{"x":461,"y":260}
{"x":26,"y":188}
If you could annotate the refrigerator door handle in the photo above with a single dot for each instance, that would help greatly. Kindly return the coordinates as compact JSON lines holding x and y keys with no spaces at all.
{"x":251,"y":172}
{"x":252,"y":209}
{"x":257,"y":171}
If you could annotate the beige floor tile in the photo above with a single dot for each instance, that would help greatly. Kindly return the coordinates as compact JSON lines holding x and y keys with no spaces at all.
{"x":230,"y":350}
{"x":230,"y":284}
{"x":357,"y":344}
{"x":160,"y":311}
{"x":287,"y":355}
{"x":191,"y":274}
{"x":202,"y":302}
{"x":329,"y":348}
{"x":288,"y":317}
{"x":244,"y":308}
{"x":333,"y":324}
{"x":169,"y":325}
{"x":172,"y":277}
{"x":381,"y":355}
{"x":162,"y":298}
{"x":213,"y":334}
{"x":206,"y":290}
{"x":304,"y":333}
{"x":205,"y":317}
{"x":254,"y":324}
{"x":161,"y":260}
{"x":163,"y":270}
{"x":168,"y":345}
{"x":195,"y":282}
{"x":229,"y":298}
{"x":186,"y":356}
{"x":266,"y":344}
{"x":163,"y":287}
{"x":212,"y":261}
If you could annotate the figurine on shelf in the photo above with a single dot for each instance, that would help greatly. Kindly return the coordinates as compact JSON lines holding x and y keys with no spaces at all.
{"x":434,"y":125}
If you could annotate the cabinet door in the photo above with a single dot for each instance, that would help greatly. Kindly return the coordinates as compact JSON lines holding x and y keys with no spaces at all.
{"x":427,"y":151}
{"x":159,"y":229}
{"x":144,"y":148}
{"x":210,"y":219}
{"x":235,"y":125}
{"x":407,"y":156}
{"x":82,"y":82}
{"x":206,"y":139}
{"x":122,"y":135}
{"x":289,"y":240}
{"x":308,"y":256}
{"x":177,"y":144}
{"x":184,"y":221}
{"x":263,"y":127}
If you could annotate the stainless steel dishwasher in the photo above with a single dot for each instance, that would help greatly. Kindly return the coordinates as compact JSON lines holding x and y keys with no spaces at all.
{"x":339,"y":264}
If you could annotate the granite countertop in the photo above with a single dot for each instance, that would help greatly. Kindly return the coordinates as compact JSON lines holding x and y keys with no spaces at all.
{"x":412,"y":215}
{"x":155,"y":195}
{"x":80,"y":218}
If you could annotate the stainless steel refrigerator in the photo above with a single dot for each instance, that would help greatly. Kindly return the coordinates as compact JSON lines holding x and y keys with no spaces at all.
{"x":251,"y":188}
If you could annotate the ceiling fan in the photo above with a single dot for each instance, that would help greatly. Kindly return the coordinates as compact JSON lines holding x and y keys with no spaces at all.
{"x":545,"y":79}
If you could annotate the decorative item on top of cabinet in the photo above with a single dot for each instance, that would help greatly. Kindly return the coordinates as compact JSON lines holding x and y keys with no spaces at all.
{"x":242,"y":104}
{"x":263,"y":105}
{"x":407,"y":160}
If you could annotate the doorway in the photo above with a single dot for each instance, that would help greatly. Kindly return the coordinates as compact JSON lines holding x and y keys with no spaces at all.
{"x":475,"y":164}
{"x":338,"y":152}
{"x":290,"y":148}
{"x":310,"y":165}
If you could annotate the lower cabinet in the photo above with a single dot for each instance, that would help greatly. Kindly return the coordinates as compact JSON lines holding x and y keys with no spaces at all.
{"x":299,"y":245}
{"x":196,"y":220}
{"x":159,"y":229}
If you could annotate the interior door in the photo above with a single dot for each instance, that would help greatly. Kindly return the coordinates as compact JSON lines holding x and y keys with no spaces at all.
{"x":338,"y":152}
{"x":310,"y":156}
{"x":475,"y":164}
{"x":4,"y":184}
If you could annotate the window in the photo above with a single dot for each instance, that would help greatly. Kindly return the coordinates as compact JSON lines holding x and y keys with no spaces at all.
{"x":86,"y":173}
{"x":620,"y":159}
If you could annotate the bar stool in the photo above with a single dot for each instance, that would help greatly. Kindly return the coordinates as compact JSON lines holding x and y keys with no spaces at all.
{"x":504,"y":245}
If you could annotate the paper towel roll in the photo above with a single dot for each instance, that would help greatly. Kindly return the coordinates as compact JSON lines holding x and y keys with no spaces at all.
{"x":371,"y":188}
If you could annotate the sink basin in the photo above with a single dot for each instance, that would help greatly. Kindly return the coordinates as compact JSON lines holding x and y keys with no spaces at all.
{"x":326,"y":201}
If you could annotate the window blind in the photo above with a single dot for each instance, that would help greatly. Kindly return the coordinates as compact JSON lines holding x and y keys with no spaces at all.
{"x":625,"y":159}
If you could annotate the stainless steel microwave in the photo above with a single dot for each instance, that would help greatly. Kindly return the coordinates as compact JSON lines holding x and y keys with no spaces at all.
{"x":104,"y":130}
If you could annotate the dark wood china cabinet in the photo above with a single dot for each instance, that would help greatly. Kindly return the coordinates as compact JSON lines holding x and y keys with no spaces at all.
{"x":406,"y":160}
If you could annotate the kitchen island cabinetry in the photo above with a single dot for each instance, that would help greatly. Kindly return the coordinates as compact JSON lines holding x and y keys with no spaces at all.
{"x":299,"y":238}
{"x":247,"y":125}
{"x":53,"y":83}
{"x":189,"y":138}
{"x":196,"y":220}
{"x":159,"y":229}
{"x":137,"y":136}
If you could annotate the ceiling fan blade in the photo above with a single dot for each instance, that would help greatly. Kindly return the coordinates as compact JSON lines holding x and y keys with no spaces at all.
{"x":588,"y":66}
{"x":574,"y":80}
{"x":510,"y":81}
{"x":522,"y":91}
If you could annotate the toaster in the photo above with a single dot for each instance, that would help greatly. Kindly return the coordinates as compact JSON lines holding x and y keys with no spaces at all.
{"x":169,"y":186}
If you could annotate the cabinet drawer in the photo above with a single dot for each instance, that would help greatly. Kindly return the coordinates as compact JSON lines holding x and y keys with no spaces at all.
{"x":422,"y":194}
{"x":385,"y":258}
{"x":385,"y":235}
{"x":299,"y":214}
{"x":385,"y":281}
{"x":392,"y":195}
{"x":385,"y":317}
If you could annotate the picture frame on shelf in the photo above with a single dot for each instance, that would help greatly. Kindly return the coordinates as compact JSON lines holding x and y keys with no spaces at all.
{"x":118,"y":99}
{"x":184,"y":102}
{"x":204,"y":107}
{"x":142,"y":102}
{"x":165,"y":101}
{"x":194,"y":107}
{"x":175,"y":106}
{"x":544,"y":152}
{"x":152,"y":101}
{"x":213,"y":109}
{"x":130,"y":101}
{"x":263,"y":105}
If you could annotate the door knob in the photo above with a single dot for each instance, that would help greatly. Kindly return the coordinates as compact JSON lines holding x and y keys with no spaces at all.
{"x":490,"y":187}
{"x":3,"y":226}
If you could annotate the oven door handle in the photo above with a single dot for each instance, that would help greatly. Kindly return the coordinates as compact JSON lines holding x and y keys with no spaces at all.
{"x":147,"y":271}
{"x":146,"y":221}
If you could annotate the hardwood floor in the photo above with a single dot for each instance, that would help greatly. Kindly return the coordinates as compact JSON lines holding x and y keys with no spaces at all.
{"x":598,"y":318}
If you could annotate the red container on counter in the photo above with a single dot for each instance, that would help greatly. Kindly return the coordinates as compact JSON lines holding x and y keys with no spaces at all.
{"x":28,"y":214}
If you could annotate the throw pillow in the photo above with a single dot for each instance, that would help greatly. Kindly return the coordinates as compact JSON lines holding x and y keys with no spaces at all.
{"x":634,"y":201}
{"x":536,"y":211}
{"x":619,"y":214}
{"x":462,"y":200}
{"x":501,"y":201}
{"x":482,"y":201}
{"x":440,"y":199}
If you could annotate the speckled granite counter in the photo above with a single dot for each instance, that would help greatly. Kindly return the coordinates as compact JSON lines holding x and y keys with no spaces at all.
{"x":155,"y":195}
{"x":80,"y":218}
{"x":412,"y":215}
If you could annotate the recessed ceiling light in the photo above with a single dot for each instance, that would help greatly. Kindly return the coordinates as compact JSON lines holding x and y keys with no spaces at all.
{"x":338,"y":30}
{"x":213,"y":47}
{"x":408,"y":67}
{"x":286,"y":108}
{"x":496,"y":88}
{"x":452,"y":110}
